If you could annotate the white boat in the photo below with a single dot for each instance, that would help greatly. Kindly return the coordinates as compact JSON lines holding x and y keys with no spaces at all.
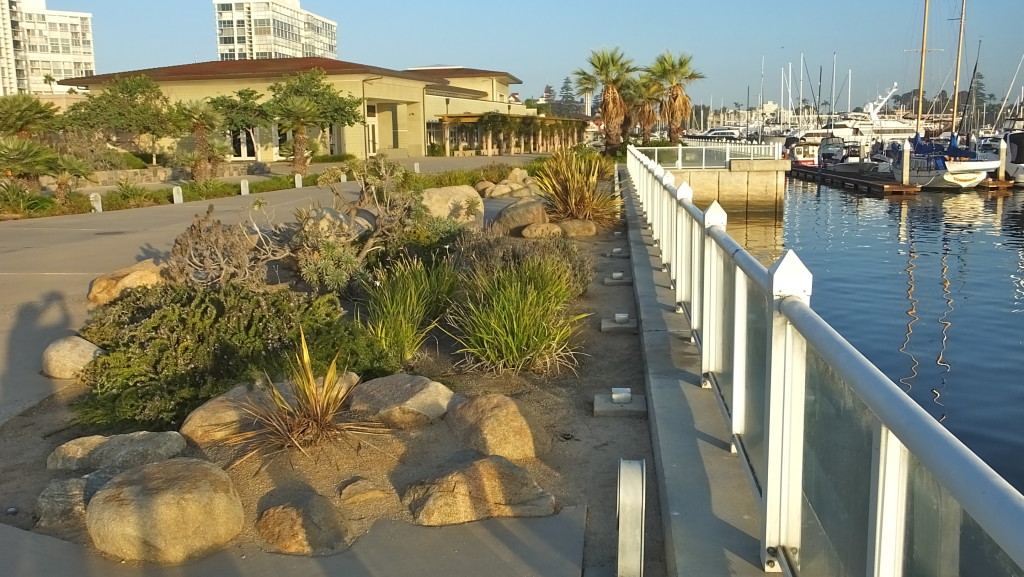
{"x":864,"y":127}
{"x":933,"y":166}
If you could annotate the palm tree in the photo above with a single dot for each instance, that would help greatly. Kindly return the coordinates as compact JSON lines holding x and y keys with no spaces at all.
{"x":25,"y":160}
{"x":48,"y":79}
{"x":674,"y":74}
{"x":630,"y":94}
{"x":608,"y":70}
{"x":22,"y":115}
{"x":650,"y":93}
{"x":201,"y":121}
{"x":298,"y":113}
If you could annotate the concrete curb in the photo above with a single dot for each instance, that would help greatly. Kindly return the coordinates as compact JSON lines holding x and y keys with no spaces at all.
{"x":710,"y":519}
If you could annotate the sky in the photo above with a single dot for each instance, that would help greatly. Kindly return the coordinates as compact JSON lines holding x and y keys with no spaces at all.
{"x":874,"y":42}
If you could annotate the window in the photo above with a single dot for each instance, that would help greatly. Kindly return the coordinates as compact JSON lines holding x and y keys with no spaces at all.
{"x":227,"y":40}
{"x":224,"y":7}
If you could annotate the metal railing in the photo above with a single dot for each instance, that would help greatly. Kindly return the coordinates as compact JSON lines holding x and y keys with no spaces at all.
{"x":852,"y":476}
{"x":704,"y":154}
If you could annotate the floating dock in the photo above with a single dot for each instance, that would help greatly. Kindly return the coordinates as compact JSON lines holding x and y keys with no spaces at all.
{"x":867,"y":182}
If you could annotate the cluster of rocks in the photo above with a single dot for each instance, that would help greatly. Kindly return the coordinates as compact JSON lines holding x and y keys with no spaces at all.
{"x":138,"y":497}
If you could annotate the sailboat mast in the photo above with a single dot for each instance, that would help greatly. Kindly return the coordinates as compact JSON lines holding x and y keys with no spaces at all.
{"x":956,"y":79}
{"x":920,"y":82}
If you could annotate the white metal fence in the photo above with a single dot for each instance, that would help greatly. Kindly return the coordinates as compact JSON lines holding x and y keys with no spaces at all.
{"x":703,"y":154}
{"x":853,"y":477}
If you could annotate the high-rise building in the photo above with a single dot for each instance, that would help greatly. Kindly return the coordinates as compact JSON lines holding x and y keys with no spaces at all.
{"x":40,"y":46}
{"x":251,"y":30}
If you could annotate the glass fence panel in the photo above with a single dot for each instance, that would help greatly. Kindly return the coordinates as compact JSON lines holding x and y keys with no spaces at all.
{"x":838,"y":452}
{"x":728,"y":327}
{"x":942,"y":539}
{"x":756,"y":383}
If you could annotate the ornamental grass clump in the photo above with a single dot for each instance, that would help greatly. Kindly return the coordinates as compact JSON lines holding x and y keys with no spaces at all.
{"x":574,"y":185}
{"x":308,"y":415}
{"x":404,"y":301}
{"x":515,"y":319}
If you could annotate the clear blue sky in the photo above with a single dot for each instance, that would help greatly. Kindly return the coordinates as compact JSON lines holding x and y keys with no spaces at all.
{"x":542,"y":42}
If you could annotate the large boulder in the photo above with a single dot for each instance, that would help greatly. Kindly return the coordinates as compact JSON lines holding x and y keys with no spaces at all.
{"x":403,"y":401}
{"x":168,"y":512}
{"x":542,"y":230}
{"x":311,"y":527}
{"x":60,"y":509}
{"x":459,"y":203}
{"x":110,"y":286}
{"x":513,"y":218}
{"x":499,"y":191}
{"x":496,"y":425}
{"x":327,"y":222}
{"x":518,"y":175}
{"x":120,"y":452}
{"x":578,"y":228}
{"x":483,"y":187}
{"x":488,"y":487}
{"x":221,"y":417}
{"x":66,"y":357}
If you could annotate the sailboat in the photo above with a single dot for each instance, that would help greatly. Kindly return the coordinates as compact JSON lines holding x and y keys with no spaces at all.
{"x":934,"y":166}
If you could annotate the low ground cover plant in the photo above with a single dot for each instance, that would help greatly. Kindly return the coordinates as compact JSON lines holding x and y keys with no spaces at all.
{"x":170,"y":348}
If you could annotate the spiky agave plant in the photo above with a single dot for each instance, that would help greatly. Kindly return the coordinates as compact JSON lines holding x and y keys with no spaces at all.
{"x":569,"y":187}
{"x":310,"y":416}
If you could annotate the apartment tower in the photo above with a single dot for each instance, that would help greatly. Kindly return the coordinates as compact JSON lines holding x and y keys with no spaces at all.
{"x":272,"y":29}
{"x":40,"y":46}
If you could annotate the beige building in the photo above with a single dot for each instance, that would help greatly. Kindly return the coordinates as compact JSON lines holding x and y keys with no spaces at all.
{"x":397,"y":105}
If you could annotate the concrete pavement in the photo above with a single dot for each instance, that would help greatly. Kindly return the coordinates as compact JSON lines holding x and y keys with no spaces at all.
{"x":710,"y":519}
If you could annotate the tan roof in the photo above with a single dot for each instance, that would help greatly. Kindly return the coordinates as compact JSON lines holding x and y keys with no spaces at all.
{"x":463,"y":72}
{"x":264,"y":68}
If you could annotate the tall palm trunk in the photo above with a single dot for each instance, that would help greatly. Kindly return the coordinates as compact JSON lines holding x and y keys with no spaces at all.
{"x":299,"y":145}
{"x":612,"y":112}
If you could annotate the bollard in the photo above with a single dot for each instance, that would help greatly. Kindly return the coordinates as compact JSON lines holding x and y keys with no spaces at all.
{"x":416,"y":167}
{"x":245,"y":187}
{"x":176,"y":195}
{"x":1001,"y":173}
{"x":298,"y":181}
{"x":905,"y":177}
{"x":632,"y":499}
{"x":97,"y":202}
{"x":344,"y":177}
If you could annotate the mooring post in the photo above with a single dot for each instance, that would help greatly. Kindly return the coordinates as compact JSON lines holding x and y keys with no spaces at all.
{"x":905,"y":176}
{"x":298,"y":181}
{"x":1001,"y":174}
{"x":176,"y":195}
{"x":245,"y":187}
{"x":97,"y":202}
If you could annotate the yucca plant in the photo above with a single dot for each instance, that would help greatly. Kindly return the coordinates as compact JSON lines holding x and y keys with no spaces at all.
{"x":18,"y":200}
{"x":405,"y":300}
{"x":569,"y":183}
{"x":307,"y":417}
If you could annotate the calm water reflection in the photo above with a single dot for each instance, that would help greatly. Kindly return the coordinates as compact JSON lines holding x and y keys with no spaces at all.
{"x":930,"y":288}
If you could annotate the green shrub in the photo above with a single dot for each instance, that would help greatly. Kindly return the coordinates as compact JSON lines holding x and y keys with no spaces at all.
{"x":438,"y":179}
{"x":569,"y":184}
{"x":405,"y":300}
{"x":135,"y":161}
{"x":509,"y":320}
{"x":332,"y":158}
{"x":129,"y":195}
{"x":171,"y":348}
{"x":210,"y":189}
{"x":534,"y":165}
{"x":492,"y":252}
{"x":279,"y":182}
{"x":16,"y":199}
{"x":426,"y":236}
{"x":435,"y":149}
{"x":496,"y":172}
{"x":329,"y":265}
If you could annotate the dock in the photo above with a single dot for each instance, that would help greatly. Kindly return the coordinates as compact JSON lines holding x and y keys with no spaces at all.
{"x":866,"y":182}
